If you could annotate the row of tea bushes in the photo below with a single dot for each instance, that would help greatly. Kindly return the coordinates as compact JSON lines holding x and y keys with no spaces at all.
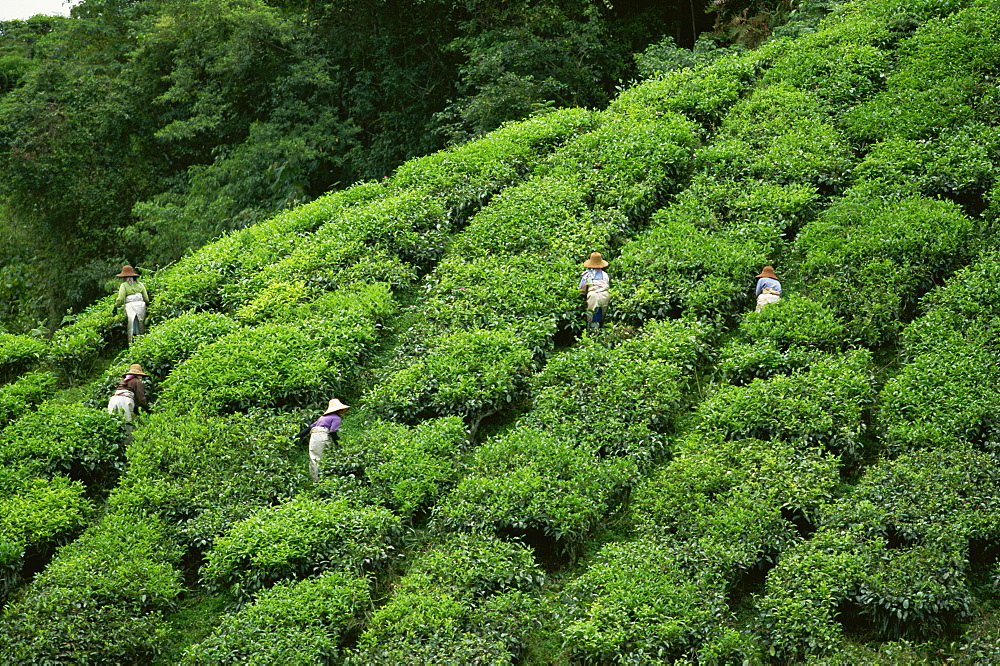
{"x":19,"y":354}
{"x":102,"y":599}
{"x":26,"y":392}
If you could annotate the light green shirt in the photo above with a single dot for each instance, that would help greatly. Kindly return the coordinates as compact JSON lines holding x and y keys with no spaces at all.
{"x":129,"y":288}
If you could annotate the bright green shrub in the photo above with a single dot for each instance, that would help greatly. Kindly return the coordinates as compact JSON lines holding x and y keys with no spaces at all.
{"x":629,"y":164}
{"x":467,"y":176}
{"x":622,"y":399}
{"x":101,"y":600}
{"x":409,"y":467}
{"x":296,"y":539}
{"x":470,"y":599}
{"x":791,"y":334}
{"x":74,"y":347}
{"x":732,"y":504}
{"x":202,"y":474}
{"x":71,"y":440}
{"x":527,"y":480}
{"x":894,"y":554}
{"x":46,"y":514}
{"x":545,"y":218}
{"x":702,"y":94}
{"x":468,"y":373}
{"x":957,"y":163}
{"x":942,"y":72}
{"x":18,"y":354}
{"x":823,"y":406}
{"x":782,"y":134}
{"x":870,"y":261}
{"x":25,"y":392}
{"x":280,"y":364}
{"x":299,"y":623}
{"x":841,"y":73}
{"x":531,"y":298}
{"x":676,"y":267}
{"x":639,"y":603}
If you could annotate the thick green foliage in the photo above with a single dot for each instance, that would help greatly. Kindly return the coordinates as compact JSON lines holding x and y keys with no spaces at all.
{"x":101,"y":600}
{"x":528,"y":480}
{"x":870,"y":261}
{"x":618,"y":612}
{"x":408,"y":467}
{"x":296,"y":539}
{"x":892,"y":555}
{"x":471,"y":599}
{"x":70,"y":440}
{"x":296,"y":623}
{"x":76,"y":346}
{"x":786,"y":336}
{"x":732,"y":505}
{"x":25,"y":392}
{"x":469,"y":373}
{"x":823,"y":405}
{"x":202,"y":474}
{"x":18,"y":354}
{"x":619,"y":400}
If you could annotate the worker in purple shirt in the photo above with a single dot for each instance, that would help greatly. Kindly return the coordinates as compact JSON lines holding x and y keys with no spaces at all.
{"x":768,"y":288}
{"x":322,"y":432}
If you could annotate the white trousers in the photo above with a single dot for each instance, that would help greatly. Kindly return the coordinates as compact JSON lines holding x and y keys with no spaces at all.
{"x":766,"y":299}
{"x":318,"y":439}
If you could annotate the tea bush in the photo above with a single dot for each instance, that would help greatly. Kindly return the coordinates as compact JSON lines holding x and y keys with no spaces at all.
{"x":823,"y":406}
{"x":781,"y":134}
{"x":301,"y":622}
{"x":870,"y":261}
{"x":44,"y":514}
{"x":639,"y":602}
{"x":675,"y":268}
{"x":18,"y":354}
{"x":75,"y":346}
{"x":101,"y":600}
{"x":629,"y":164}
{"x":622,"y":399}
{"x":528,"y":480}
{"x":791,"y":334}
{"x":27,"y":391}
{"x":296,"y":539}
{"x":481,"y":293}
{"x":906,"y":529}
{"x":470,"y":599}
{"x":409,"y":467}
{"x":71,"y":440}
{"x":467,"y":176}
{"x":468,"y":373}
{"x":733,"y":504}
{"x":202,"y":474}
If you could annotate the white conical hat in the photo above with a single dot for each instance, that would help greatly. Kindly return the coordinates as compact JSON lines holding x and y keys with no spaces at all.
{"x":336,"y":406}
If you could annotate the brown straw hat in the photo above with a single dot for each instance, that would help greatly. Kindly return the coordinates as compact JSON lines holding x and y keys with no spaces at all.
{"x":768,"y":272}
{"x":336,"y":406}
{"x":127,"y":271}
{"x":136,"y":369}
{"x":595,"y":261}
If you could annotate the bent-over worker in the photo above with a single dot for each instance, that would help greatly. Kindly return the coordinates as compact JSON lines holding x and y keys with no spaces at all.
{"x":595,"y":284}
{"x":133,"y":295}
{"x":322,"y":432}
{"x":768,"y":288}
{"x":129,"y":396}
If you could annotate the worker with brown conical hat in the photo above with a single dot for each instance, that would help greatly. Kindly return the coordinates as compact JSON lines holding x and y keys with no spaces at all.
{"x":595,"y":285}
{"x":322,"y":432}
{"x":129,"y":396}
{"x":133,"y":295}
{"x":768,"y":288}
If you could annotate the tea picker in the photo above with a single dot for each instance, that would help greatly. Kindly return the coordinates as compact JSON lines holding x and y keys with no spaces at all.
{"x":322,"y":432}
{"x":595,"y":285}
{"x":129,"y":396}
{"x":133,"y":295}
{"x":768,"y":288}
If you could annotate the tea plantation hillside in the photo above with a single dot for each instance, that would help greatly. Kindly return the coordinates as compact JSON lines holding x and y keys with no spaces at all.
{"x":697,"y":483}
